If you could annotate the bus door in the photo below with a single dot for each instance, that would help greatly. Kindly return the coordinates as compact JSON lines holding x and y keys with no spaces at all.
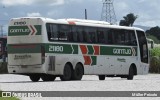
{"x":143,"y":48}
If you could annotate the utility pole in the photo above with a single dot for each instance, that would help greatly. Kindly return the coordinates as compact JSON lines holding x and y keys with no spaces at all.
{"x":86,"y":14}
{"x":108,"y":13}
{"x":1,"y":27}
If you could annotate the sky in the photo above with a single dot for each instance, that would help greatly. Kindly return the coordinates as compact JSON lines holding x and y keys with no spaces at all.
{"x":148,"y":11}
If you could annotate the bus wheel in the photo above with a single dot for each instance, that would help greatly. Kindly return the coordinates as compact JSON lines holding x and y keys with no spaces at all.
{"x":131,"y":73}
{"x":101,"y":77}
{"x":78,"y":72}
{"x":48,"y":77}
{"x":34,"y":78}
{"x":67,"y":72}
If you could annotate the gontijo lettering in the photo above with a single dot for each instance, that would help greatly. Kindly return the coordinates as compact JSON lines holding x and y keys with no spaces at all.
{"x":19,"y":30}
{"x":122,"y":51}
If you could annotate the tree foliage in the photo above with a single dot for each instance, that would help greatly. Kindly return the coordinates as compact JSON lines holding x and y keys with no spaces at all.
{"x":128,"y":20}
{"x":155,"y":60}
{"x":155,"y":39}
{"x":154,"y":31}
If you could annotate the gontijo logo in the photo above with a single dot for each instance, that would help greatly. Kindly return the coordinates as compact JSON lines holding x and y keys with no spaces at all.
{"x":25,"y":30}
{"x":122,"y":51}
{"x":125,"y":51}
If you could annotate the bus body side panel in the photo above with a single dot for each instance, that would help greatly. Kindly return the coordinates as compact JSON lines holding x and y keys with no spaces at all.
{"x":56,"y":60}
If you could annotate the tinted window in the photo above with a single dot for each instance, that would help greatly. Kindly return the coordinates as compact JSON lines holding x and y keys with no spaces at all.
{"x":130,"y":38}
{"x":102,"y":36}
{"x":57,"y":32}
{"x":86,"y":34}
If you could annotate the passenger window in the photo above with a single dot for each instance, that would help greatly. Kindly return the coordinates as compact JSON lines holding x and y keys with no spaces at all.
{"x":63,"y":32}
{"x":101,"y":38}
{"x":52,"y":32}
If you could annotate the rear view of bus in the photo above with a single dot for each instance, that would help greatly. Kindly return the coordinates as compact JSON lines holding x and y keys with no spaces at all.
{"x":25,"y":50}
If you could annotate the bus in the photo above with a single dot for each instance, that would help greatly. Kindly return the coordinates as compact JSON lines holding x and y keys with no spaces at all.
{"x":44,"y":48}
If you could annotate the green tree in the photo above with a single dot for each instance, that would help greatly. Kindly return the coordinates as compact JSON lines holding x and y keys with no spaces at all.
{"x":155,"y":39}
{"x":129,"y":20}
{"x":155,"y":31}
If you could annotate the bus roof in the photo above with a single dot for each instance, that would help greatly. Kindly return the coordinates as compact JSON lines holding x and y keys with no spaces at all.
{"x":82,"y":22}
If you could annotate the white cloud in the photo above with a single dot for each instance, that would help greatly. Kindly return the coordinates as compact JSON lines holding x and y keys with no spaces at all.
{"x":29,"y":2}
{"x":35,"y":14}
{"x":15,"y":2}
{"x":141,"y":1}
{"x":54,"y":14}
{"x":121,"y":5}
{"x":49,"y":2}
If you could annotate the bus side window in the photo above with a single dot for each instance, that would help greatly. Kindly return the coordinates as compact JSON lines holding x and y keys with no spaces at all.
{"x":52,"y":31}
{"x":101,"y":37}
{"x":48,"y":31}
{"x":79,"y":34}
{"x":73,"y":36}
{"x":91,"y":35}
{"x":63,"y":32}
{"x":133,"y":39}
{"x":110,"y":36}
{"x":85,"y":36}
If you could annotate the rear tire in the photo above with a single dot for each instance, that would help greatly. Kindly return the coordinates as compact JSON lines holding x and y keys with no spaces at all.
{"x":48,"y":77}
{"x":131,"y":73}
{"x":34,"y":78}
{"x":101,"y":77}
{"x":78,"y":72}
{"x":67,"y":72}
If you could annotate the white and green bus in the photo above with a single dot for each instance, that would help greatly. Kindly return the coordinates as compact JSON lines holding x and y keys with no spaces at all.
{"x":70,"y":48}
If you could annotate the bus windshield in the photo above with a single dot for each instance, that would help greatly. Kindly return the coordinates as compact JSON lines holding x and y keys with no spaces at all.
{"x":143,"y":46}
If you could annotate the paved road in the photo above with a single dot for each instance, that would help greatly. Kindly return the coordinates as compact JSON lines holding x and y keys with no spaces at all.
{"x":150,"y":82}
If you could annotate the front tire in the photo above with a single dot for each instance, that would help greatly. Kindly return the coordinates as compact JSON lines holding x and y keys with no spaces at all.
{"x":34,"y":78}
{"x":67,"y":72}
{"x":101,"y":77}
{"x":131,"y":73}
{"x":78,"y":72}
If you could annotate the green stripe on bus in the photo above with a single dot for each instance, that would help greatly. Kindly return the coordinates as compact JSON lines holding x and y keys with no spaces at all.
{"x":118,"y":51}
{"x":72,"y":49}
{"x":61,"y":48}
{"x":94,"y":60}
{"x":90,"y":49}
{"x":75,"y":48}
